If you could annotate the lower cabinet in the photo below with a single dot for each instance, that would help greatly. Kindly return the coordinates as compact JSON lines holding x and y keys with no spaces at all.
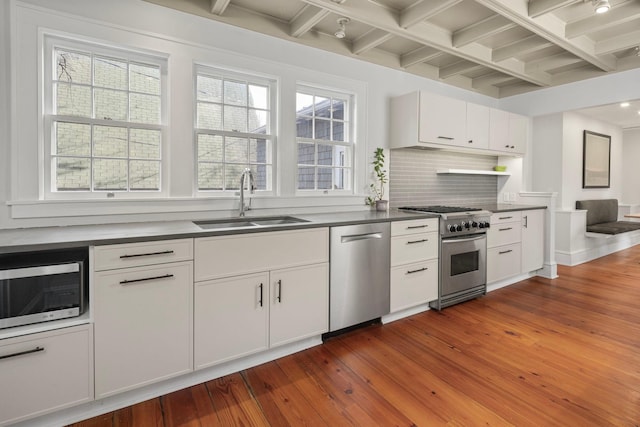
{"x":242,"y":315}
{"x":143,"y":325}
{"x":503,"y":262}
{"x":413,"y":284}
{"x":44,"y":372}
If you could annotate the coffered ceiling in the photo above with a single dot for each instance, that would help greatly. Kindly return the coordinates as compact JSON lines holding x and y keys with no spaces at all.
{"x":495,"y":47}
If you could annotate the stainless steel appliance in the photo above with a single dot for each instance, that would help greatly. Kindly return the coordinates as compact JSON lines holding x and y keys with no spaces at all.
{"x":41,"y":286}
{"x":359,"y":275}
{"x":463,"y":253}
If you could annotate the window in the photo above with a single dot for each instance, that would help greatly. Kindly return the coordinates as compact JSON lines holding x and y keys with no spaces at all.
{"x":105,"y":121}
{"x":324,"y":139}
{"x":234,"y":121}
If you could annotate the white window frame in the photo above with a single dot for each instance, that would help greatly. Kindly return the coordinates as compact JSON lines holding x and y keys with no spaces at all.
{"x":349,"y":98}
{"x":50,"y":43}
{"x":249,"y":78}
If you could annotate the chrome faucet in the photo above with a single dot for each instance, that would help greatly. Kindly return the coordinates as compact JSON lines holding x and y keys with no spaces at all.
{"x":246,"y":172}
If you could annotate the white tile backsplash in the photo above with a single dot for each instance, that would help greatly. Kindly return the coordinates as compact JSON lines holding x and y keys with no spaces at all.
{"x":413,"y":179}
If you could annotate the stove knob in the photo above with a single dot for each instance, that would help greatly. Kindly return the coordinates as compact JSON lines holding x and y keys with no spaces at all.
{"x":481,"y":225}
{"x":458,"y":228}
{"x":467,"y":225}
{"x":487,"y":225}
{"x":452,"y":228}
{"x":474,"y":224}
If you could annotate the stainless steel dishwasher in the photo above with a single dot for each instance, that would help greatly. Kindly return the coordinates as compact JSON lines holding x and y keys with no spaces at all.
{"x":359,"y":274}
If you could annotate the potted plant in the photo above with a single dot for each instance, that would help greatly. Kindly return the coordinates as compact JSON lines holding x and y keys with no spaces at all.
{"x":377,"y":187}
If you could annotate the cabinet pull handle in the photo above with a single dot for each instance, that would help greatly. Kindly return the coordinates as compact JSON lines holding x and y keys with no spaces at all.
{"x":411,"y":227}
{"x":505,"y":252}
{"x":147,"y":254}
{"x":505,"y":217}
{"x":279,"y":290}
{"x":470,"y":141}
{"x":526,"y":221}
{"x":418,"y":270}
{"x":505,"y":229}
{"x":22,"y":353}
{"x":410,"y":242}
{"x":261,"y":286}
{"x":448,"y":138}
{"x":127,"y":282}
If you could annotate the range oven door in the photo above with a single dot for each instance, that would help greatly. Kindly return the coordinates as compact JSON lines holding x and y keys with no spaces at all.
{"x":463,"y":263}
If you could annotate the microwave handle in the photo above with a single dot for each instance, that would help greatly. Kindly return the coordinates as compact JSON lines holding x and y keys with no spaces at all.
{"x":44,"y":270}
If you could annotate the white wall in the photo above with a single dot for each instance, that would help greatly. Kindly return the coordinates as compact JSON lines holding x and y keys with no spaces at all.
{"x":547,"y":154}
{"x":573,"y":126}
{"x":631,"y":167}
{"x":184,"y":38}
{"x":5,"y":119}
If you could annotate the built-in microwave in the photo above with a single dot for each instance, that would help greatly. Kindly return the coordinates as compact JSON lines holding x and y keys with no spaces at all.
{"x":43,"y":286}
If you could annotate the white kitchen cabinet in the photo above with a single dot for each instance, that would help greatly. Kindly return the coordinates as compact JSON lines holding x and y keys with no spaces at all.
{"x":143,"y":325}
{"x":259,"y":290}
{"x":44,"y":372}
{"x":499,"y":130}
{"x":414,"y":263}
{"x":503,"y":262}
{"x":299,"y":303}
{"x":532,"y":240}
{"x":518,"y":132}
{"x":442,"y":120}
{"x":231,"y":318}
{"x":478,"y":121}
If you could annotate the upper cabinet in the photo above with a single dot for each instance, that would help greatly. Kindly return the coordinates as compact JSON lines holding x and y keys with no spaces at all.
{"x":423,"y":119}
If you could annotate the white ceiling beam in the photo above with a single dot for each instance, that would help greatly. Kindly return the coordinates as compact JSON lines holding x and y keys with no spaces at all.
{"x":488,"y":27}
{"x":614,"y":44}
{"x":524,"y":46}
{"x":370,"y":40}
{"x":424,"y":10}
{"x":550,"y":28}
{"x":427,"y":34}
{"x":489,"y":80}
{"x":419,"y":55}
{"x":541,"y":7}
{"x":457,"y":68}
{"x":219,"y":6}
{"x":306,"y":20}
{"x":616,"y":16}
{"x":551,"y":62}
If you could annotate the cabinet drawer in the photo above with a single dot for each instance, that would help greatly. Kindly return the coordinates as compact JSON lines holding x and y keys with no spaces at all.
{"x":414,"y":284}
{"x":413,"y":248}
{"x":502,"y":217}
{"x":238,"y":254}
{"x":145,"y":253}
{"x":413,"y":226}
{"x":503,"y":262}
{"x":503,"y":234}
{"x":49,"y":371}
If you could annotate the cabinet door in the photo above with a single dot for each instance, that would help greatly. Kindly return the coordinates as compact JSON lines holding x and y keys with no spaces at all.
{"x":143,"y":326}
{"x":299,"y":303}
{"x":499,"y":130}
{"x":503,"y":262}
{"x":414,"y":284}
{"x":518,"y":131}
{"x":532,"y":240}
{"x":442,"y":120}
{"x":503,"y":234}
{"x":231,"y":318}
{"x":44,"y":372}
{"x":413,"y":248}
{"x":477,"y":126}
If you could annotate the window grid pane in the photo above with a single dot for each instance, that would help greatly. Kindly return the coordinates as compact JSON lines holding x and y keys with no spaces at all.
{"x":89,"y":156}
{"x":233,"y":122}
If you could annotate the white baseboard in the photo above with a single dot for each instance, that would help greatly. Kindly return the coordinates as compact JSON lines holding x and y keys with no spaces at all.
{"x":610,"y":245}
{"x":112,"y":403}
{"x":392,"y":317}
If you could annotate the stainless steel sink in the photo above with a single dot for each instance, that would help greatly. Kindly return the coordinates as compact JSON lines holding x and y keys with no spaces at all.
{"x":222,"y":224}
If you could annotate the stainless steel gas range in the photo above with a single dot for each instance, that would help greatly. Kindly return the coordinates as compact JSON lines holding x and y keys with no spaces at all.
{"x":463,"y":252}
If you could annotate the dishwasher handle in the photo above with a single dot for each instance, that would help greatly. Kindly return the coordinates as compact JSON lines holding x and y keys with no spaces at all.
{"x":356,"y":237}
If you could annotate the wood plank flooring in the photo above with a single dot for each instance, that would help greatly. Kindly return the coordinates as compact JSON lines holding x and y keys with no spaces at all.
{"x":563,"y":352}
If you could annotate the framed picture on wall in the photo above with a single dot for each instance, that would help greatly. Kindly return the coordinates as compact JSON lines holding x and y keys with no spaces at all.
{"x":596,"y":160}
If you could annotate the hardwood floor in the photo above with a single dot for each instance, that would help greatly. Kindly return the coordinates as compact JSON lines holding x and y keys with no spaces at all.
{"x":563,"y":352}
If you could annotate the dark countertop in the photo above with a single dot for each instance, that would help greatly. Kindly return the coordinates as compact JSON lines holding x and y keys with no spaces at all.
{"x":46,"y":238}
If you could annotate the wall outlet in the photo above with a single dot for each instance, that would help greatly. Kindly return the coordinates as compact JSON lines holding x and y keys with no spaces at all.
{"x":512,"y":197}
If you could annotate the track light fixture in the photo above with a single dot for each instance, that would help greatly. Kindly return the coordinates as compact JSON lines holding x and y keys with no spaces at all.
{"x":341,"y":33}
{"x":601,"y":6}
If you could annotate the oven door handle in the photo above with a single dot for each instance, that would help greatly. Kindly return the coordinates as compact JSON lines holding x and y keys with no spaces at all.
{"x":463,"y":239}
